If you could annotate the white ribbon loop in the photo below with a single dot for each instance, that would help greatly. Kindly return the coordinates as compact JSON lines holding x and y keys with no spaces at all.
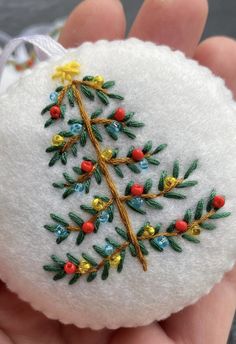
{"x":46,"y":47}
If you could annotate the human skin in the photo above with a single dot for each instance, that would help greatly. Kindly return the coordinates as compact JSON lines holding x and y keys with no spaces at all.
{"x":179,"y":24}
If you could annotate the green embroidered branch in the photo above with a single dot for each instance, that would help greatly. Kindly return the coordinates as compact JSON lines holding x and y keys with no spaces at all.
{"x":166,"y":183}
{"x":136,"y":194}
{"x":110,"y":157}
{"x":57,"y":110}
{"x":69,"y":143}
{"x":66,"y":140}
{"x":101,"y":89}
{"x":88,"y":266}
{"x":82,"y":178}
{"x":102,"y":212}
{"x":112,"y":126}
{"x":136,"y":157}
{"x":83,"y":181}
{"x":88,"y":82}
{"x":62,"y":146}
{"x":102,"y":207}
{"x":113,"y":254}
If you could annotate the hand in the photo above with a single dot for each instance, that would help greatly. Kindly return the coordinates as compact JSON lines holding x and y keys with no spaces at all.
{"x":178,"y":24}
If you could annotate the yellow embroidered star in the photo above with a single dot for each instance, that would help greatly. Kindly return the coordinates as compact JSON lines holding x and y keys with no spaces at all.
{"x":67,"y":71}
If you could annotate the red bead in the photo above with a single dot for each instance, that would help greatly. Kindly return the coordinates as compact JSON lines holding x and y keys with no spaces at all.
{"x":119,"y":114}
{"x":137,"y":154}
{"x":30,"y":63}
{"x":181,"y":226}
{"x":55,"y":112}
{"x":218,"y":201}
{"x":86,"y":166}
{"x":88,"y":227}
{"x":70,"y":268}
{"x":136,"y":190}
{"x":19,"y":67}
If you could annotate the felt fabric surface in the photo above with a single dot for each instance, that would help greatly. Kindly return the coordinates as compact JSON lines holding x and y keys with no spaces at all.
{"x":182,"y":104}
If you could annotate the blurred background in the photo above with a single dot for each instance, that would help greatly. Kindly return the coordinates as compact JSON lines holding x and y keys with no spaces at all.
{"x":16,"y":15}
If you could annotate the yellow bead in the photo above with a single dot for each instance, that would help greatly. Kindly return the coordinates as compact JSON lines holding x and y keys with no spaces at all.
{"x":107,"y":154}
{"x":115,"y":260}
{"x":150,"y":230}
{"x":57,"y":140}
{"x":98,"y":80}
{"x":169,"y":183}
{"x":145,"y":234}
{"x":194,"y":230}
{"x":84,"y":267}
{"x":98,"y":204}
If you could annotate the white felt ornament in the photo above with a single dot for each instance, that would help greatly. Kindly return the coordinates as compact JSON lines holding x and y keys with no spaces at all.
{"x":182,"y":105}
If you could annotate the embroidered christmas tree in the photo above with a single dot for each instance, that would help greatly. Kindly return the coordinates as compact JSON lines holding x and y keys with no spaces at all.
{"x":119,"y":124}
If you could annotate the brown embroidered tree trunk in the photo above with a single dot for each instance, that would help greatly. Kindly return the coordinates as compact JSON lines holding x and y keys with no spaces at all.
{"x":103,"y":165}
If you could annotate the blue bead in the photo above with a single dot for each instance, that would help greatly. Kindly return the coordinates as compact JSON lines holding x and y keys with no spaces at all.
{"x":114,"y":127}
{"x":144,"y":164}
{"x":109,"y":249}
{"x":161,"y":241}
{"x":137,"y":202}
{"x":79,"y":187}
{"x":60,"y":231}
{"x":53,"y":97}
{"x":103,"y":217}
{"x":76,"y":128}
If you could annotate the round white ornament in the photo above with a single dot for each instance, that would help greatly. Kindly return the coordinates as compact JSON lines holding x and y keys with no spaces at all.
{"x":183,"y":106}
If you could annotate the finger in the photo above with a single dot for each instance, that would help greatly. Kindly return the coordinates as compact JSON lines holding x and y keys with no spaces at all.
{"x":178,"y":24}
{"x":92,"y":20}
{"x":219,"y":54}
{"x":209,"y":319}
{"x":75,"y":335}
{"x":141,"y":335}
{"x":19,"y":320}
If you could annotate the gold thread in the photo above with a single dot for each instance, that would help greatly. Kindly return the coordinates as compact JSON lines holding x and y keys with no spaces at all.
{"x":62,"y":94}
{"x":118,"y":161}
{"x":202,"y":219}
{"x":82,"y":178}
{"x":92,"y":219}
{"x":70,"y":143}
{"x":90,"y":84}
{"x":177,"y":182}
{"x":73,"y":229}
{"x":107,"y":204}
{"x":151,"y":196}
{"x":123,"y":246}
{"x":197,"y":222}
{"x":121,"y":208}
{"x":102,"y":262}
{"x":104,"y":121}
{"x":146,"y":196}
{"x":166,"y":234}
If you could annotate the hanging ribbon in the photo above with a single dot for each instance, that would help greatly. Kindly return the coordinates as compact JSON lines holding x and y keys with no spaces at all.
{"x":45,"y":47}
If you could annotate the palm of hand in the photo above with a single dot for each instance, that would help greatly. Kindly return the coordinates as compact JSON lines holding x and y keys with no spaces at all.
{"x":180,"y":26}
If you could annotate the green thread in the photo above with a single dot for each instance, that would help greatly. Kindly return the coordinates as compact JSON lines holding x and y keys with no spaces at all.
{"x":120,"y":248}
